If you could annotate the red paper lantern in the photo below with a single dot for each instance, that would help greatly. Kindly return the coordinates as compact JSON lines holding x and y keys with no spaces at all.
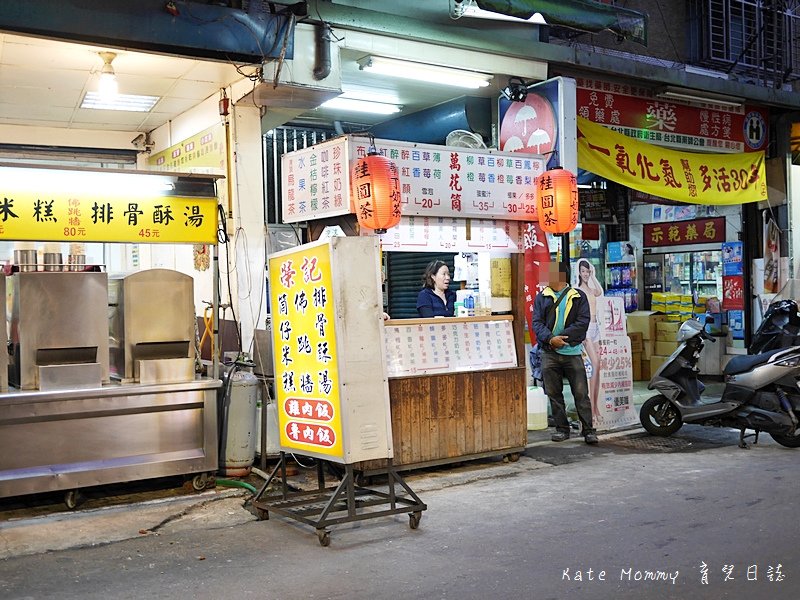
{"x":376,"y":186}
{"x":557,"y":200}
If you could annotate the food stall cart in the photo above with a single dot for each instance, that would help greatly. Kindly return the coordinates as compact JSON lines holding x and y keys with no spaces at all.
{"x":331,"y":384}
{"x":88,"y":404}
{"x":468,"y":402}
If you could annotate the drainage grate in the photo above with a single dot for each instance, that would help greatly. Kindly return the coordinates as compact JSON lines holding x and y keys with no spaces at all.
{"x":651,"y":443}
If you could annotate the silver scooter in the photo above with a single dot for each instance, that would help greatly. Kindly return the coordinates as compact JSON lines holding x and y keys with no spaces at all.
{"x":762,"y":392}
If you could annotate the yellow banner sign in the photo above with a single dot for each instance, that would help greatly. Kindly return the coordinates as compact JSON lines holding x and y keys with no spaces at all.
{"x":306,"y":365}
{"x":203,"y":152}
{"x":683,"y":176}
{"x":95,"y":217}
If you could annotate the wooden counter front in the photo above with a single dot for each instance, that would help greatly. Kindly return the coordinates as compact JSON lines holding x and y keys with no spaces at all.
{"x":456,"y":415}
{"x":438,"y":419}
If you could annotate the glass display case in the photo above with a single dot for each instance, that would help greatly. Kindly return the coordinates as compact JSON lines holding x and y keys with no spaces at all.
{"x":652,"y":277}
{"x":694,"y":272}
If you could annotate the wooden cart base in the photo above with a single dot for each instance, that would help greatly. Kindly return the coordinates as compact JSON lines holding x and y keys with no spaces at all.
{"x":345,"y":503}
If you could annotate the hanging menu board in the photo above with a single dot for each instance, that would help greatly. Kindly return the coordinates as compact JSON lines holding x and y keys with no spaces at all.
{"x":435,"y":181}
{"x":448,"y":345}
{"x":441,"y":234}
{"x":315,"y":181}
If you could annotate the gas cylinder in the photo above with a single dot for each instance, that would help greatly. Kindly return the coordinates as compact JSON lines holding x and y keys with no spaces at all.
{"x":239,"y":427}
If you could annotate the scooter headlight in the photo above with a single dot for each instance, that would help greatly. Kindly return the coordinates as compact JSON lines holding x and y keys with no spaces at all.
{"x":789,"y":361}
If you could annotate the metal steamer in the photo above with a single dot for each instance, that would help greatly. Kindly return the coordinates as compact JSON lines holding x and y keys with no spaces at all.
{"x":87,"y":408}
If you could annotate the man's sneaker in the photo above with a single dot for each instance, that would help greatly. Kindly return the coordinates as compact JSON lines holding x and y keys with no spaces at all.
{"x":591,"y":438}
{"x":560,"y":436}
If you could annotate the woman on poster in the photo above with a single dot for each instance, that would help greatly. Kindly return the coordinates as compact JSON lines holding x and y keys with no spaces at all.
{"x":589,"y":285}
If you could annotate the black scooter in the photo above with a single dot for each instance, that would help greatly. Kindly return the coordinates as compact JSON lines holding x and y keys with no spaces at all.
{"x":762,"y":392}
{"x":779,"y":329}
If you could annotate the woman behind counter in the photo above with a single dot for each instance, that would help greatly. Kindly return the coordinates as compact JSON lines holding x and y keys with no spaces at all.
{"x":435,"y":299}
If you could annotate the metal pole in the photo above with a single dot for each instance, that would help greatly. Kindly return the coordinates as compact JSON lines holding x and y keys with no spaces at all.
{"x":215,"y":311}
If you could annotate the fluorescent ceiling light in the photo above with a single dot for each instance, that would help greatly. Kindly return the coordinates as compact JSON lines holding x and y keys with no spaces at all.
{"x":421,"y":72}
{"x":688,"y":95}
{"x":129,"y":102}
{"x":41,"y":180}
{"x":366,"y":106}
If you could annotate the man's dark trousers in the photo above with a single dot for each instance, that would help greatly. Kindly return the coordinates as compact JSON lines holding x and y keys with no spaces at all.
{"x":555,"y":367}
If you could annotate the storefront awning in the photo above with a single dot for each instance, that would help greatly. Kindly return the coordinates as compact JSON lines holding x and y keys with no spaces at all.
{"x":677,"y":175}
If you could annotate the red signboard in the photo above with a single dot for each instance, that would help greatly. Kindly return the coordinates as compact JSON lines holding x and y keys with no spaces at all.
{"x":637,"y":112}
{"x":698,"y":231}
{"x":733,"y":292}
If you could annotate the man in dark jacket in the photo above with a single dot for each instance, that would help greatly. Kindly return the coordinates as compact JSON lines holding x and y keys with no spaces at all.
{"x":560,"y":320}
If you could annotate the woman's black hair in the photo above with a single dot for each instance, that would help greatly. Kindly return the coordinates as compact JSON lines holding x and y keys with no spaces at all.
{"x":431,"y":270}
{"x":580,"y":262}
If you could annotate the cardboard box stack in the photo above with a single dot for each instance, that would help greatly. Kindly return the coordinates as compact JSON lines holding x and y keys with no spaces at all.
{"x":644,"y":322}
{"x":666,"y":343}
{"x":677,"y":307}
{"x":637,"y":349}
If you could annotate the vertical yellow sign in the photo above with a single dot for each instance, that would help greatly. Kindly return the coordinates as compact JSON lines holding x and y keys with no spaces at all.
{"x":304,"y":344}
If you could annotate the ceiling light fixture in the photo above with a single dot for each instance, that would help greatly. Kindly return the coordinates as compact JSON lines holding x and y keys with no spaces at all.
{"x":689,"y":95}
{"x":108,"y":79}
{"x":129,"y":102}
{"x":365,"y":106}
{"x":421,"y":72}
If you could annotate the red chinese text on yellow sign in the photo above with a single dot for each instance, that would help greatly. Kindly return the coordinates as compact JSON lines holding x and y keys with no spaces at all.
{"x":683,"y":176}
{"x":304,"y":342}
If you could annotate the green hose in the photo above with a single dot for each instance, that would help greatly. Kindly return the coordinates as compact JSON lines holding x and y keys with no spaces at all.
{"x":236,"y":483}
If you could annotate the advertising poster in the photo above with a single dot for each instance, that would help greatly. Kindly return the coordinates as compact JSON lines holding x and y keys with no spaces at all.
{"x":733,"y":292}
{"x":585,"y":280}
{"x":621,"y":252}
{"x":732,"y":258}
{"x":615,"y":380}
{"x":772,"y":256}
{"x":543,"y":123}
{"x":306,"y":366}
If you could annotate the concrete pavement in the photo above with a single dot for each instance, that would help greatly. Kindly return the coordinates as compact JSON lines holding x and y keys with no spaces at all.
{"x":633,"y":508}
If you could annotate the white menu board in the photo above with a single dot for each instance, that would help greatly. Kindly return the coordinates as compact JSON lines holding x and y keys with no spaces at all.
{"x":446,"y":181}
{"x":435,"y":181}
{"x":445,"y":345}
{"x":315,"y":181}
{"x":442,"y":234}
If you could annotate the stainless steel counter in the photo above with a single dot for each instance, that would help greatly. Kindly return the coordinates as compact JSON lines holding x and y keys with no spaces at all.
{"x":68,"y":439}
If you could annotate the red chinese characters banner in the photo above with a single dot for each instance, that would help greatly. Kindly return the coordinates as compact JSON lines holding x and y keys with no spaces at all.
{"x":680,"y":233}
{"x":714,"y":179}
{"x":537,"y":259}
{"x":637,"y":112}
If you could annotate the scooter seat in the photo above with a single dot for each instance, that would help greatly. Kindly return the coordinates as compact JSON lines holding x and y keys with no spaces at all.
{"x":740,"y":364}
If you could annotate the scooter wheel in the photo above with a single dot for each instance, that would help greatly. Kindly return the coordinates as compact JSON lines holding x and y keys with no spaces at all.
{"x":660,"y":417}
{"x":790,"y":441}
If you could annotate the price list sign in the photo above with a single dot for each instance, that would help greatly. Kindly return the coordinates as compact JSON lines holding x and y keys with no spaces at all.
{"x":447,"y":346}
{"x":315,"y":181}
{"x":442,"y":181}
{"x":450,"y":234}
{"x":304,"y":343}
{"x":614,"y":372}
{"x":74,"y":206}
